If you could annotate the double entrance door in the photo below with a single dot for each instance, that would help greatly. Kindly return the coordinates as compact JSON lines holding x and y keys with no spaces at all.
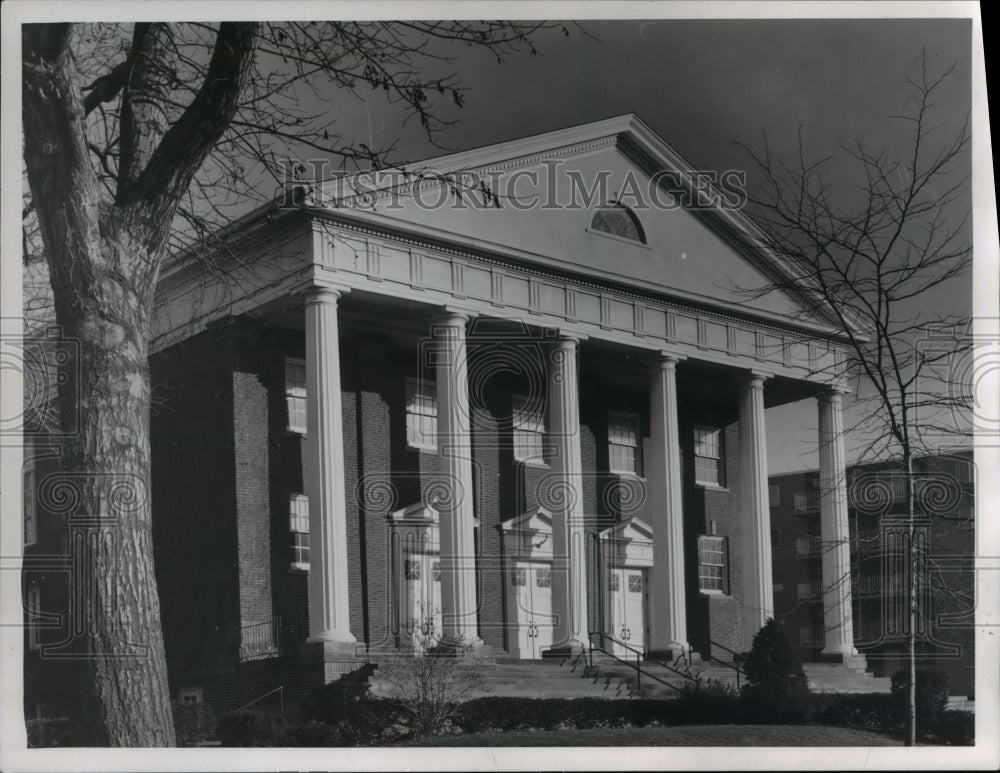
{"x":421,"y":613}
{"x":625,"y":616}
{"x":529,"y":604}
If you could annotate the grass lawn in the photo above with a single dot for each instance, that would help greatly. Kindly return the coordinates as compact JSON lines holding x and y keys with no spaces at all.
{"x":688,"y":735}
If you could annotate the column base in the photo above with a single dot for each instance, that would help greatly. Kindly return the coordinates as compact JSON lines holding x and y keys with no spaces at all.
{"x":335,"y":659}
{"x":841,"y":653}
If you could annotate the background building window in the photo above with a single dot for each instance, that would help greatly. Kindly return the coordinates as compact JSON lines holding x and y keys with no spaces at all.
{"x":295,"y":394}
{"x":623,"y":442}
{"x":618,"y":220}
{"x":30,"y":509}
{"x":775,"y":539}
{"x":713,"y":564}
{"x":421,"y":413}
{"x":774,"y":494}
{"x":708,"y":456}
{"x":189,"y":695}
{"x":34,"y":604}
{"x":298,"y":508}
{"x":529,"y":429}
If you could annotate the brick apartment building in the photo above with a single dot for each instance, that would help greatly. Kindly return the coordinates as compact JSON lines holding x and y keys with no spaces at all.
{"x":465,"y":411}
{"x":945,"y":531}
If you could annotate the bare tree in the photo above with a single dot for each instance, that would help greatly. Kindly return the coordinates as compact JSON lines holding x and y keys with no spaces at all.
{"x":138,"y":138}
{"x":871,"y":233}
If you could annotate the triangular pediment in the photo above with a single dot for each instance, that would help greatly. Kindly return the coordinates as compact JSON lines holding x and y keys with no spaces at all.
{"x":417,"y":513}
{"x":633,"y":529}
{"x":537,"y":519}
{"x":537,"y":198}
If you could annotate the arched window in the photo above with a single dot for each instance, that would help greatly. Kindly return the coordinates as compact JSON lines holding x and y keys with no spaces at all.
{"x":618,"y":220}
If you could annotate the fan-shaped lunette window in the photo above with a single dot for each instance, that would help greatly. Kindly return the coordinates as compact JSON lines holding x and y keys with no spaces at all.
{"x":618,"y":221}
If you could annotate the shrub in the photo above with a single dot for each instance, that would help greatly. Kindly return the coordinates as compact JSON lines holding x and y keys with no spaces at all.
{"x":932,"y":693}
{"x":709,"y":701}
{"x":192,"y":722}
{"x":431,"y":683}
{"x":45,"y":733}
{"x":952,"y":728}
{"x":247,"y":728}
{"x":310,"y":733}
{"x":777,"y":688}
{"x":874,"y":711}
{"x":357,"y":717}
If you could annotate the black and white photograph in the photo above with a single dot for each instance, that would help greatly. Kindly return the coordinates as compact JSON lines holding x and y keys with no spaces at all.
{"x":433,"y":386}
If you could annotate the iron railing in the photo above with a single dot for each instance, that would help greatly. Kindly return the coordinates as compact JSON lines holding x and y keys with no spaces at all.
{"x":639,"y":670}
{"x":735,"y":665}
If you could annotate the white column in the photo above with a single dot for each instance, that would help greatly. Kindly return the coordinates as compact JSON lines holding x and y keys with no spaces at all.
{"x":755,"y":516}
{"x":663,"y":478}
{"x":459,"y":614}
{"x":837,"y":615}
{"x":569,"y":576}
{"x":329,"y":619}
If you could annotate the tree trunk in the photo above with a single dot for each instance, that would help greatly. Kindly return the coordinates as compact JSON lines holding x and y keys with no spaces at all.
{"x":117,"y":610}
{"x":911,"y":639}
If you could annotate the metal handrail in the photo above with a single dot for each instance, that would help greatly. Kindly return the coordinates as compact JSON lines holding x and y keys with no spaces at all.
{"x":673,"y":668}
{"x":735,"y":665}
{"x":639,"y":671}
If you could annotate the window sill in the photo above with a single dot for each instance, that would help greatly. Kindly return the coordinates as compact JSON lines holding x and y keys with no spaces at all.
{"x":537,"y":464}
{"x":422,"y":449}
{"x":296,"y":432}
{"x":716,"y":593}
{"x":711,"y":487}
{"x":299,"y":568}
{"x":627,"y":474}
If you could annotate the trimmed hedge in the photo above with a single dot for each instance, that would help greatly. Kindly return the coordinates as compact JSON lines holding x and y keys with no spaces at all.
{"x":248,"y":728}
{"x":192,"y":722}
{"x":358,"y":718}
{"x":45,"y":733}
{"x":932,"y":694}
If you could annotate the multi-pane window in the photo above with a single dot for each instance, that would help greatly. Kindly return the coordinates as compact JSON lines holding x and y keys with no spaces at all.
{"x":436,"y":570}
{"x":613,"y":582}
{"x":189,"y":695}
{"x":298,"y":508}
{"x":529,"y":428}
{"x":295,"y":394}
{"x":708,"y":456}
{"x":34,"y":603}
{"x":623,"y":442}
{"x":411,"y":569}
{"x":618,"y":220}
{"x":635,"y":583}
{"x":712,"y":564}
{"x":543,"y":578}
{"x":30,"y":510}
{"x":518,"y":577}
{"x":421,"y":413}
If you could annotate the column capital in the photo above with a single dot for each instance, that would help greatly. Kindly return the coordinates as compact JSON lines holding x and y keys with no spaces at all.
{"x":558,"y":336}
{"x":663,"y":360}
{"x":832,"y":394}
{"x":319,"y":294}
{"x":451,"y":317}
{"x":754,"y":379}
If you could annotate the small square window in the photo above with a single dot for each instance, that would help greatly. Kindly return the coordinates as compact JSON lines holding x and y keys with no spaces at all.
{"x":635,"y":583}
{"x":436,"y":570}
{"x":518,"y":578}
{"x":189,"y":695}
{"x":614,"y":582}
{"x":411,"y":569}
{"x":543,"y":578}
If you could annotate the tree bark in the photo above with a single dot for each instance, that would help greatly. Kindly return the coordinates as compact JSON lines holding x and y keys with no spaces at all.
{"x":104,"y":259}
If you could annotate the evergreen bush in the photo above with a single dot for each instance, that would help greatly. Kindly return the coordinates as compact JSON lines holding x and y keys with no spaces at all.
{"x":777,"y":688}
